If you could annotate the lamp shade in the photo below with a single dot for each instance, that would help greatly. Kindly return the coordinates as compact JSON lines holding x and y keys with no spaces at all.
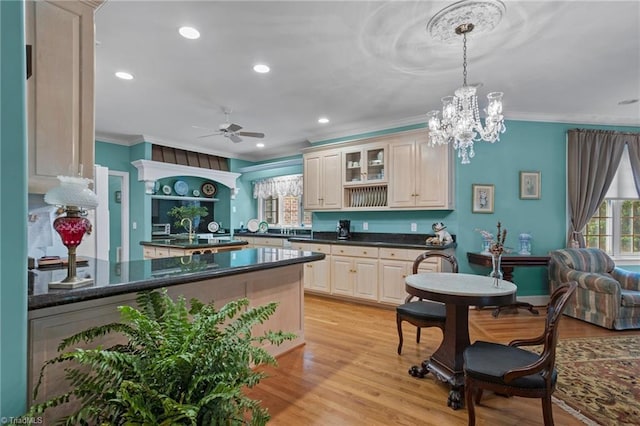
{"x":72,"y":191}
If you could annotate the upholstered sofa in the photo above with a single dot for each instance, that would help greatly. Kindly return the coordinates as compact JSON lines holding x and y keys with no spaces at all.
{"x":606,"y":295}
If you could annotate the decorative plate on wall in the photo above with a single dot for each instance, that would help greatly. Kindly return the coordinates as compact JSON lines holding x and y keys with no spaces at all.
{"x":181,"y":187}
{"x":166,"y":190}
{"x":208,"y":189}
{"x":213,"y":226}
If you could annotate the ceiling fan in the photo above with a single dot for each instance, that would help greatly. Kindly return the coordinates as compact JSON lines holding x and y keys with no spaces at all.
{"x":231,"y":131}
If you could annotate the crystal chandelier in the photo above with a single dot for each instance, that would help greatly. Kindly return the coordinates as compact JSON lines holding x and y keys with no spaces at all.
{"x":460,"y":123}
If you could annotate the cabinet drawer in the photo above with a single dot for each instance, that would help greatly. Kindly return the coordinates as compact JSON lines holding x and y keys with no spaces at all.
{"x":162,"y":252}
{"x":320,"y":248}
{"x":271,"y":242}
{"x":396,"y":253}
{"x":355,"y":251}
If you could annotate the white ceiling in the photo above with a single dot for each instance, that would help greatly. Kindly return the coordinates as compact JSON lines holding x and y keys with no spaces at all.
{"x":366,"y":65}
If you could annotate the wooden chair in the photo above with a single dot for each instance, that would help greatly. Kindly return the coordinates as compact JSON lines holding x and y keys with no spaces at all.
{"x":423,"y":313}
{"x":509,"y":370}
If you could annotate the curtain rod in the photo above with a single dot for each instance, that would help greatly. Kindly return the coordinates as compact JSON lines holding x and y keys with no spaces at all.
{"x":616,"y":132}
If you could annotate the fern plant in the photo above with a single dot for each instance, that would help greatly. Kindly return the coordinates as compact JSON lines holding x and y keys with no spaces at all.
{"x":179,"y":366}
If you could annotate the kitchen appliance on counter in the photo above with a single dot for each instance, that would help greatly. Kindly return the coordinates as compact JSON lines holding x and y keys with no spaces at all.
{"x":344,"y":229}
{"x":160,"y":230}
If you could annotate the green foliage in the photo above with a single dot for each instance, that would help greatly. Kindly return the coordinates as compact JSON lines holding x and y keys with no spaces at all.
{"x":179,"y":366}
{"x":189,"y":212}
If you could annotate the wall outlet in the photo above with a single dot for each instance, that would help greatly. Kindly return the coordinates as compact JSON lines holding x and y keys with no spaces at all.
{"x":233,"y":209}
{"x":414,"y":227}
{"x":365,"y":226}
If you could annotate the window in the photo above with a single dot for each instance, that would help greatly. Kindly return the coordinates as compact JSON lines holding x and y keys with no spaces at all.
{"x":280,"y":201}
{"x":615,"y":227}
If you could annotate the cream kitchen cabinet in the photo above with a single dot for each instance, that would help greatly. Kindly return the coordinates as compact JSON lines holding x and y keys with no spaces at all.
{"x":393,"y":268}
{"x":268,"y":242}
{"x":420,"y":175}
{"x":354,"y":271}
{"x":322,"y":180}
{"x":365,"y":164}
{"x":60,"y":91}
{"x":316,"y":274}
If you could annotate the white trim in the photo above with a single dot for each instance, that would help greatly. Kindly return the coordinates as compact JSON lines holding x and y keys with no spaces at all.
{"x":151,"y":171}
{"x":124,"y":207}
{"x":274,"y":164}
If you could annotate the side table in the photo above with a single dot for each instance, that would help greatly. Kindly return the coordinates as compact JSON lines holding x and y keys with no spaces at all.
{"x":507,"y":264}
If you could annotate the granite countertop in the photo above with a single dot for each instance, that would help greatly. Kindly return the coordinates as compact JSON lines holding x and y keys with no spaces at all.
{"x":413,"y":241}
{"x":196,"y":243}
{"x":111,"y":279}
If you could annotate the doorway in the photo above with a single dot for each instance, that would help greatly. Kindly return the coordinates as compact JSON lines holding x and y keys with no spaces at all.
{"x":118,"y":218}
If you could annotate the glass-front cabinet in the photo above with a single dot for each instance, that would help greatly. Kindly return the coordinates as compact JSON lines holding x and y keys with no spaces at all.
{"x":365,"y":165}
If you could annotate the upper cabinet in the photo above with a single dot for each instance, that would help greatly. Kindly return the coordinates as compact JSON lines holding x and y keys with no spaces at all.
{"x":421,"y":175}
{"x":60,"y":91}
{"x":396,"y":171}
{"x":365,"y":165}
{"x":322,"y":180}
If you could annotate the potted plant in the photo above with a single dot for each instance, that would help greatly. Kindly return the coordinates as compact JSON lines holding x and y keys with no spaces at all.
{"x":190,"y":214}
{"x":179,"y":366}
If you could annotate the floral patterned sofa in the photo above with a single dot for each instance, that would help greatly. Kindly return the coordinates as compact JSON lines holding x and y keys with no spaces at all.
{"x":606,"y":295}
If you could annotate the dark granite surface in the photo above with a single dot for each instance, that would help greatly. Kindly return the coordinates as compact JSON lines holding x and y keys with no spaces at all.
{"x":111,"y":279}
{"x":373,"y":239}
{"x":194,"y":244}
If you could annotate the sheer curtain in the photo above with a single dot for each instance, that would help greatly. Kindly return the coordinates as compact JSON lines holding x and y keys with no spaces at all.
{"x":278,"y":187}
{"x":593,"y":157}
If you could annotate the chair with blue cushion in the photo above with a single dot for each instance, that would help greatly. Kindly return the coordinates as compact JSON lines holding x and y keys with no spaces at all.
{"x":512,"y":371}
{"x":423,"y":313}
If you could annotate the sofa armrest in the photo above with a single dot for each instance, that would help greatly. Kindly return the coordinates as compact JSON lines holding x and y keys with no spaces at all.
{"x":628,"y":280}
{"x":599,"y":283}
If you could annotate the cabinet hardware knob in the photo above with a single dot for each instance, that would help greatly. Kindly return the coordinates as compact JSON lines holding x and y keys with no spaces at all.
{"x":364,"y":252}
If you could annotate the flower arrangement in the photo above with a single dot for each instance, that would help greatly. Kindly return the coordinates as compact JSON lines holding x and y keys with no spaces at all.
{"x":493,"y":245}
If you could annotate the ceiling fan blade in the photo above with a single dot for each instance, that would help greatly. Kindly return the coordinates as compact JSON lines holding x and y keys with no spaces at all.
{"x":233,"y":128}
{"x":252,"y":134}
{"x":210,"y":134}
{"x":235,"y":138}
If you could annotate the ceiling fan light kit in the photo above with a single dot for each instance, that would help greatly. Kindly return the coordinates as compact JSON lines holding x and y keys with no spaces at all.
{"x":460,"y":123}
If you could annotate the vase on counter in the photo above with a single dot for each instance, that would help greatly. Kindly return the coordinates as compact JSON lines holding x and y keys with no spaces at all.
{"x":496,"y":272}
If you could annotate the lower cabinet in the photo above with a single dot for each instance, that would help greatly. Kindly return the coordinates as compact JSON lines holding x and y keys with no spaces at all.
{"x":354,"y":271}
{"x":316,"y":274}
{"x":394,"y":266}
{"x":362,"y":272}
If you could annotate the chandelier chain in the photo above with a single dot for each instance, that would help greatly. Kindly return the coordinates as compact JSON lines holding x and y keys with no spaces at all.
{"x":464,"y":58}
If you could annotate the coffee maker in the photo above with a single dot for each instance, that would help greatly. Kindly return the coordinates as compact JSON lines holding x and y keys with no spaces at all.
{"x":344,"y":229}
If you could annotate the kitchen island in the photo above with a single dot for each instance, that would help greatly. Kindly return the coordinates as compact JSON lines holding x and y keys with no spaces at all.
{"x":182,"y":246}
{"x":262,"y":275}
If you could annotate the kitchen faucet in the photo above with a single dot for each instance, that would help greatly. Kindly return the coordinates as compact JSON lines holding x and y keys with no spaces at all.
{"x":190,"y":227}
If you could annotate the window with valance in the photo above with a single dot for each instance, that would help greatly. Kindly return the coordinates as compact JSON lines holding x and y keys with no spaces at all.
{"x":280,"y":201}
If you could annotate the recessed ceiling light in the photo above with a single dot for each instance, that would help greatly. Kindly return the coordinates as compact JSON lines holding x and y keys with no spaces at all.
{"x":261,"y":68}
{"x":260,"y":145}
{"x":189,"y":32}
{"x":124,"y":75}
{"x":323,"y":120}
{"x":628,"y":102}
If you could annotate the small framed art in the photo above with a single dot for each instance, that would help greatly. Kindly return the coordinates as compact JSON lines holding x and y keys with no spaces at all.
{"x":482,"y":201}
{"x":530,"y":185}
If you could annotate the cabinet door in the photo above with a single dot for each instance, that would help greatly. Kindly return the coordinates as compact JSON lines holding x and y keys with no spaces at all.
{"x":392,"y":274}
{"x":316,"y":276}
{"x":331,"y":180}
{"x":366,"y":278}
{"x":432,"y":175}
{"x":60,"y":92}
{"x":312,"y":181}
{"x":402,"y":178}
{"x":342,"y":276}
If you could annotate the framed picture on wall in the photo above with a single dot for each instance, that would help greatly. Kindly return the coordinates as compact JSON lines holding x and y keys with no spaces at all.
{"x":530,"y":185}
{"x":482,"y":198}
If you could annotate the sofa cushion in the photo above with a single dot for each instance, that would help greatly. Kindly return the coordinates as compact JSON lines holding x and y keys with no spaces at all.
{"x":630,"y":298}
{"x":586,"y":260}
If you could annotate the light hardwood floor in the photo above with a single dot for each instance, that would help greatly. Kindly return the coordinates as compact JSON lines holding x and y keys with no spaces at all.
{"x":349,"y":373}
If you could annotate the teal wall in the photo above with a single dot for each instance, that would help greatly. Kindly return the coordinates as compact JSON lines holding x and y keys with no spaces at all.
{"x":13,"y":212}
{"x":526,"y":146}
